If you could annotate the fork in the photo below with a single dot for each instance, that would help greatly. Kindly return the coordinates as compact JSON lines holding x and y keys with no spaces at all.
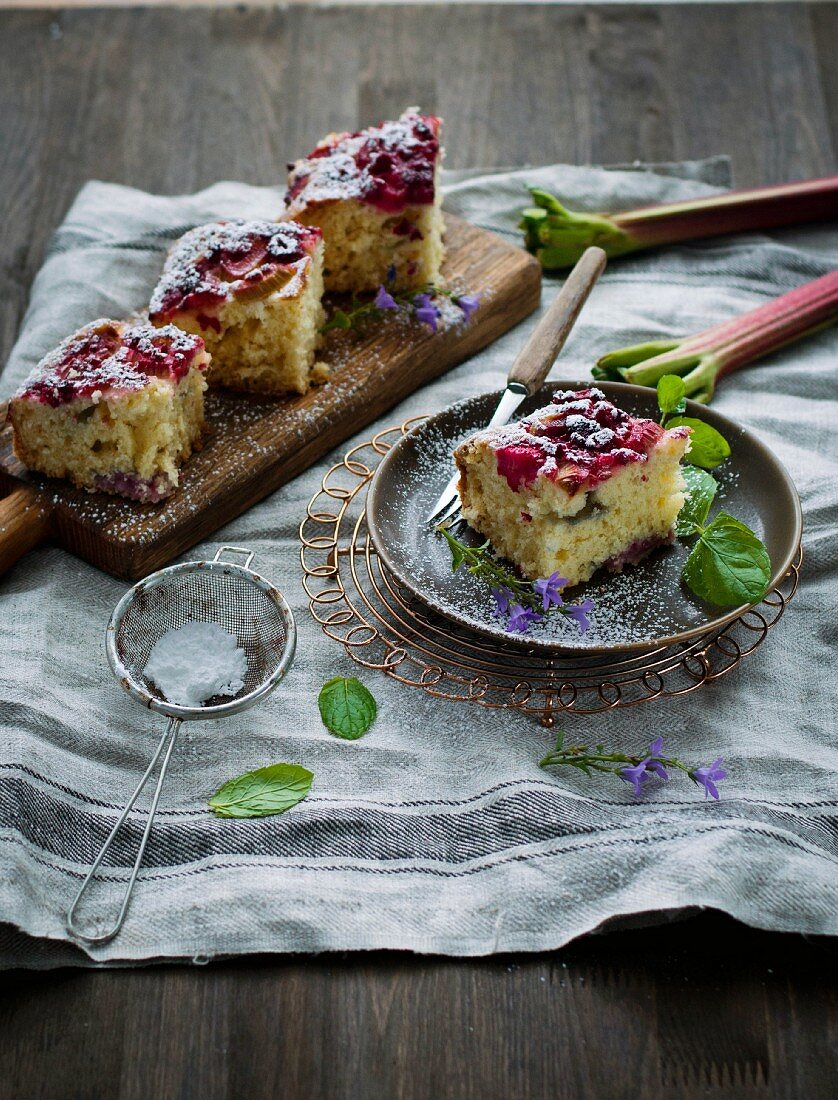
{"x":533,"y":362}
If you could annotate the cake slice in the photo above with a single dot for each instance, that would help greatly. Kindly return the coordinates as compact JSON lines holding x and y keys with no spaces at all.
{"x":574,"y":486}
{"x":252,"y":290}
{"x":116,"y":407}
{"x":376,"y":196}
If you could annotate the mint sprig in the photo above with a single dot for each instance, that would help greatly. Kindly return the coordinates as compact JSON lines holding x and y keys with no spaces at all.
{"x":701,"y":490}
{"x":346,"y":707}
{"x":672,"y":399}
{"x":708,"y":448}
{"x":729,"y":565}
{"x":261,"y":793}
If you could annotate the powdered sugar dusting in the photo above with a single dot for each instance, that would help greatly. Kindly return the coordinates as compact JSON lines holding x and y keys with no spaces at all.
{"x":578,"y":441}
{"x":107,"y":357}
{"x":196,"y":662}
{"x":217,"y":262}
{"x":389,"y":166}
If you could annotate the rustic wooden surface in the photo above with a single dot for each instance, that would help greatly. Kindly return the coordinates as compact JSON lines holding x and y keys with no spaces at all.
{"x":171,"y":102}
{"x":257,"y":444}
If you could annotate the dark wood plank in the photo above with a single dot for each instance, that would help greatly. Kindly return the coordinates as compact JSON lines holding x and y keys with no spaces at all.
{"x":255,"y":446}
{"x":701,"y":1008}
{"x":171,"y":101}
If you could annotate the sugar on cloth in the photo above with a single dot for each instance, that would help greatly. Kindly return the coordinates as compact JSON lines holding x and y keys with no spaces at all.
{"x":436,"y":831}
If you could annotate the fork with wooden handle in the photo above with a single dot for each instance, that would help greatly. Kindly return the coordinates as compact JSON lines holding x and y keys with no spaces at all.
{"x":533,"y":363}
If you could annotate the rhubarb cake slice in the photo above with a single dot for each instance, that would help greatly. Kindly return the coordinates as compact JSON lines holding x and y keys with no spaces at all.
{"x":376,"y":196}
{"x":574,"y":486}
{"x":116,"y":407}
{"x":252,"y":290}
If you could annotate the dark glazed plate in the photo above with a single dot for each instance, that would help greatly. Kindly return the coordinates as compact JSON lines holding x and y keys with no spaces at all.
{"x":644,"y":607}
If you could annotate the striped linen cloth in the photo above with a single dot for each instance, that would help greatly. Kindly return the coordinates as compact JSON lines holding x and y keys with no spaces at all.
{"x":436,"y":832}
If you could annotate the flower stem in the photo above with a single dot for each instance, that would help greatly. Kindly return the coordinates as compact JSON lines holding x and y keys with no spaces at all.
{"x":704,"y":358}
{"x":559,"y":236}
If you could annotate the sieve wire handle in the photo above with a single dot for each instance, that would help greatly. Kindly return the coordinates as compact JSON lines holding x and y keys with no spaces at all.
{"x":249,"y":555}
{"x":167,"y":742}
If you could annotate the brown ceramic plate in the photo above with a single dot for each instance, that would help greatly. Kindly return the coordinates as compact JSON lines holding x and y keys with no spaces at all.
{"x":646,"y":606}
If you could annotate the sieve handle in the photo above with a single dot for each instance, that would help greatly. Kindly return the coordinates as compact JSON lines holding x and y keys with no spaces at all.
{"x":249,"y":555}
{"x":167,"y":742}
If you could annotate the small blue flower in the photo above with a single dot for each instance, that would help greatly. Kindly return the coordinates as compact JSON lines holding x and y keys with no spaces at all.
{"x":520,"y":618}
{"x":635,"y":774}
{"x":549,"y":589}
{"x":656,"y":747}
{"x":579,"y":612}
{"x":654,"y":767}
{"x":391,"y":274}
{"x":425,"y":311}
{"x":502,"y":598}
{"x":468,"y":303}
{"x":383,"y":300}
{"x":708,"y":777}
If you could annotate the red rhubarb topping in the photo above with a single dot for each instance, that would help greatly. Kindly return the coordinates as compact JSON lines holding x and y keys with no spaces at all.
{"x":110,"y":356}
{"x":210,"y":265}
{"x":578,"y":440}
{"x":389,"y":166}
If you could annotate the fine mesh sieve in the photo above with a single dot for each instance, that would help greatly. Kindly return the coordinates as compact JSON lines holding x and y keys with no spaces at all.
{"x":219,"y":591}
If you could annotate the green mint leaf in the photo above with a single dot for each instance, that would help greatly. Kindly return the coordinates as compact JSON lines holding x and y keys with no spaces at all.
{"x":672,"y":394}
{"x":701,"y":489}
{"x":346,"y":707}
{"x":729,"y":565}
{"x":263,"y":792}
{"x":708,"y":448}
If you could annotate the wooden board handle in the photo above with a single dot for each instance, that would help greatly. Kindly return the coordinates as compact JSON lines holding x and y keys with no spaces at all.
{"x":539,"y":353}
{"x":25,"y":520}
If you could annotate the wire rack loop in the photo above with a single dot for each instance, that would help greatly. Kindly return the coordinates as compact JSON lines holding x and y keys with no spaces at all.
{"x":361,"y":606}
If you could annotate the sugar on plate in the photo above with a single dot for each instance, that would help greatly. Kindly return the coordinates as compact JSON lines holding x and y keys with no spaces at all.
{"x":196,"y":662}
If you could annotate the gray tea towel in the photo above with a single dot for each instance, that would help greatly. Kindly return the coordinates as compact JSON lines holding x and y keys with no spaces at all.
{"x":437,"y":831}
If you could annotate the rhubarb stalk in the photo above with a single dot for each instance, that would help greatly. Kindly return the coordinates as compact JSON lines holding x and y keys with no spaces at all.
{"x":703,"y":359}
{"x":559,"y":236}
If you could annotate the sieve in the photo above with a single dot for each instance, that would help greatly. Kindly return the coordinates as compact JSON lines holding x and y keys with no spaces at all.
{"x":218,"y":591}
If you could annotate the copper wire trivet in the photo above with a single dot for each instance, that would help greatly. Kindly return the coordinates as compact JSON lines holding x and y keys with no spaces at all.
{"x":381,"y":626}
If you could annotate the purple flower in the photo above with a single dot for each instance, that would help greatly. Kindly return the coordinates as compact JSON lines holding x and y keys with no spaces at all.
{"x":502,"y":597}
{"x":383,"y":300}
{"x":550,"y":590}
{"x":654,"y":767}
{"x":709,"y":776}
{"x":425,"y":311}
{"x":468,"y":303}
{"x":520,"y":618}
{"x":636,"y":775}
{"x":391,"y":274}
{"x":579,"y":612}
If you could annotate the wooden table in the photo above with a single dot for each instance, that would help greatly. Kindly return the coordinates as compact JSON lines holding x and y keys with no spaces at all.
{"x":173,"y":100}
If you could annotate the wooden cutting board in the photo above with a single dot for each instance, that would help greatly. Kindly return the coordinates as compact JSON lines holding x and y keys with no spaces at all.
{"x":256,"y":445}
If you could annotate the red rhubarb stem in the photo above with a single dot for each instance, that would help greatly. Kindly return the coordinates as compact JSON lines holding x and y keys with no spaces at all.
{"x":732,"y":212}
{"x":771,"y":326}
